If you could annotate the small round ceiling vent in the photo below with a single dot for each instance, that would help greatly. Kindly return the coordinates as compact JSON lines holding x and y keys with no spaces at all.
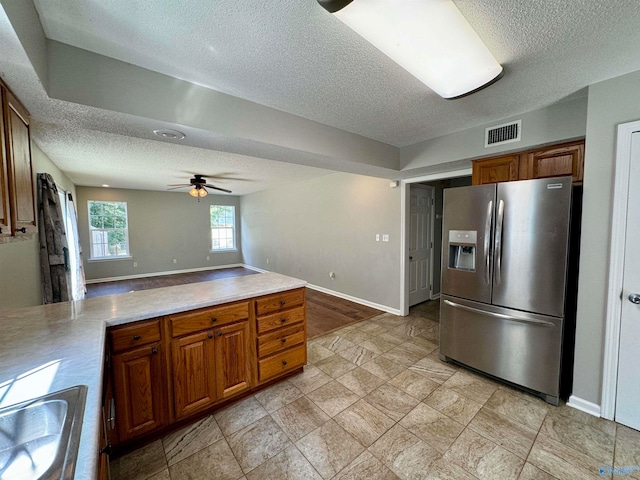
{"x":170,"y":134}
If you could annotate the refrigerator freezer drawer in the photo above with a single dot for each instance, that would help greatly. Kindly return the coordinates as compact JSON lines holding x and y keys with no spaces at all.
{"x":519,"y":347}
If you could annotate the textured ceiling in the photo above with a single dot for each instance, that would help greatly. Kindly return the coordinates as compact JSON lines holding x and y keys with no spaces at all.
{"x":293,"y":56}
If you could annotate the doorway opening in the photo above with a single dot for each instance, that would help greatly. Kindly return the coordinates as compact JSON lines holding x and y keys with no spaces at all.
{"x":415,"y":275}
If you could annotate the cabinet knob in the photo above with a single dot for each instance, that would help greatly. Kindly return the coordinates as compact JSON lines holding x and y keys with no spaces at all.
{"x":219,"y":334}
{"x":284,"y":363}
{"x":210,"y":335}
{"x":214,"y":319}
{"x":284,"y":340}
{"x":282,"y":302}
{"x":282,"y":320}
{"x":154,"y":350}
{"x":107,"y":450}
{"x":136,"y":337}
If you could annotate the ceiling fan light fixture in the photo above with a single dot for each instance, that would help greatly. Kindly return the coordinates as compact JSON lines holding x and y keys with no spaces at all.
{"x":193,"y":192}
{"x":202,"y":192}
{"x":430,"y":39}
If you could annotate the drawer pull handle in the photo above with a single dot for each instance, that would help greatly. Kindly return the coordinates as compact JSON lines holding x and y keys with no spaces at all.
{"x":284,"y":363}
{"x":214,"y":319}
{"x":136,"y":337}
{"x":154,"y":350}
{"x":284,"y":340}
{"x":210,"y":335}
{"x":282,"y":320}
{"x":282,"y":302}
{"x":219,"y":334}
{"x":23,"y":230}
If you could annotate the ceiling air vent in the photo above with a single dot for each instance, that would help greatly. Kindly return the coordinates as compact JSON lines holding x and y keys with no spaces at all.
{"x":507,"y":133}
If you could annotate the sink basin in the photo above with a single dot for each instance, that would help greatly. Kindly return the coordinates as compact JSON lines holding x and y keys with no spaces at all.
{"x":39,"y":438}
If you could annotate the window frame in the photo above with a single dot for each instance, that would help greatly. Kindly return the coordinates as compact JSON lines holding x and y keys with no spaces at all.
{"x":91,"y":229}
{"x":234,"y":230}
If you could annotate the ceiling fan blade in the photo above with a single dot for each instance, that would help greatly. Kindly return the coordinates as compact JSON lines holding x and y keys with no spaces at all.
{"x":178,"y":185}
{"x":218,"y":188}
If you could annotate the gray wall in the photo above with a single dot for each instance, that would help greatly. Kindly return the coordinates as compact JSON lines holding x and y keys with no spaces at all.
{"x":562,"y":121}
{"x":325,"y":224}
{"x":610,"y":103}
{"x":20,"y":284}
{"x":162,"y":226}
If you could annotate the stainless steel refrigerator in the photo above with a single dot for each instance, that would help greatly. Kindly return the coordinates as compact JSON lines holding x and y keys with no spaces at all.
{"x":506,"y":287}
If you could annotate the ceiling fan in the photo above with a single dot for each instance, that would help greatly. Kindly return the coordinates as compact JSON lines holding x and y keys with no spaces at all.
{"x":198,"y":186}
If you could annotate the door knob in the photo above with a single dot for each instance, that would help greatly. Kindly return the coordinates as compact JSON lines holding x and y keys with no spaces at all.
{"x":635,"y":298}
{"x":410,"y":258}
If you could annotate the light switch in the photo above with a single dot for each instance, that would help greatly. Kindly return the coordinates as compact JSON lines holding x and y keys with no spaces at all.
{"x":377,"y":237}
{"x":385,"y":237}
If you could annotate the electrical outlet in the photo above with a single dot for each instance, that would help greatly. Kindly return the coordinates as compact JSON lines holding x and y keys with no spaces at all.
{"x":135,"y":264}
{"x":332,"y":275}
{"x":385,"y":237}
{"x":377,"y":237}
{"x":175,"y":260}
{"x":208,"y":258}
{"x":267,"y":261}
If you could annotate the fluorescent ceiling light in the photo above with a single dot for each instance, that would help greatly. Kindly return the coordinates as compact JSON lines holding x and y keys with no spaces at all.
{"x":428,"y":38}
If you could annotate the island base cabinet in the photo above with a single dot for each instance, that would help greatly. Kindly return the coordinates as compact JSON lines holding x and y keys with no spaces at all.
{"x":138,"y":389}
{"x":194,"y":385}
{"x":232,"y":359}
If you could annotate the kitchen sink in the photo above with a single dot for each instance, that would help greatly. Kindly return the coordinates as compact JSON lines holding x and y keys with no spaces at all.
{"x":39,"y":438}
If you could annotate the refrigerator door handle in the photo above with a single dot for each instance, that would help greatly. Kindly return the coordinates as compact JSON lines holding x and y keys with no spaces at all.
{"x":529,"y":321}
{"x":498,"y":240}
{"x":487,"y":240}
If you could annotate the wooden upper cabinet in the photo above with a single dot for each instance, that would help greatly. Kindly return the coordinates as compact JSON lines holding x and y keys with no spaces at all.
{"x":555,"y":161}
{"x":552,"y":161}
{"x":5,"y":222}
{"x":494,"y":170}
{"x":18,"y":208}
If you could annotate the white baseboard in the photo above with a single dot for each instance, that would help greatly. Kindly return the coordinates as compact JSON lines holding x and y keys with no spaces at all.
{"x":366,"y":303}
{"x":255,"y":269}
{"x":584,"y":405}
{"x":170,"y":272}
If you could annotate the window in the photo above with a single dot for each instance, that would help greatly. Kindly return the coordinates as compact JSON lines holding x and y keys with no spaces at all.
{"x":108,"y":230}
{"x":223,"y":227}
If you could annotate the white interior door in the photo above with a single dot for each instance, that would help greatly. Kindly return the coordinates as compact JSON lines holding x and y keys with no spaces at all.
{"x":421,"y":214}
{"x":628,"y":390}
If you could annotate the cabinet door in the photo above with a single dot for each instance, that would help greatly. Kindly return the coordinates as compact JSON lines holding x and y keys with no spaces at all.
{"x":232,"y":359}
{"x":4,"y":176}
{"x":556,"y":161}
{"x":18,"y":144}
{"x":138,"y":385}
{"x":493,"y":170}
{"x":193,"y":373}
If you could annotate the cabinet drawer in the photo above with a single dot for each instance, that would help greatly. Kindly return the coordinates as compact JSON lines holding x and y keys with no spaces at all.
{"x":282,"y":319}
{"x":197,"y":320}
{"x":135,"y":335}
{"x":282,"y":362}
{"x":279,"y":301}
{"x":280,"y":339}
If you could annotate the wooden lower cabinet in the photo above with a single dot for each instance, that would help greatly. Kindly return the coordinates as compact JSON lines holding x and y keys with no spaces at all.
{"x":139,"y":391}
{"x":193,"y":373}
{"x":233,"y":375}
{"x":167,"y":370}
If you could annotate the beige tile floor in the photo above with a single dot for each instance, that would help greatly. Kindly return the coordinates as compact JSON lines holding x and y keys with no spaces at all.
{"x":375,"y":402}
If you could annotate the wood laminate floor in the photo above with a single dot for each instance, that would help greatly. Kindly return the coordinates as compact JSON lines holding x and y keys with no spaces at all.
{"x":325,"y":313}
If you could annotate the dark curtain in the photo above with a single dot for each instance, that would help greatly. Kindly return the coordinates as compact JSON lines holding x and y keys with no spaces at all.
{"x":54,"y":254}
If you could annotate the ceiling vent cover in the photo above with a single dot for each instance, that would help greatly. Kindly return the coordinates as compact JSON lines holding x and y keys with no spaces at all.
{"x":500,"y":134}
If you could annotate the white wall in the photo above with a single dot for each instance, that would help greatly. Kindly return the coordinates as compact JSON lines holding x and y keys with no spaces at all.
{"x":610,"y":103}
{"x":163,"y":226}
{"x":20,"y":283}
{"x":328,"y":224}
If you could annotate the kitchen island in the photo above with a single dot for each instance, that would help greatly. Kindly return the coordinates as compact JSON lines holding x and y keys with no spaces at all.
{"x":48,"y":348}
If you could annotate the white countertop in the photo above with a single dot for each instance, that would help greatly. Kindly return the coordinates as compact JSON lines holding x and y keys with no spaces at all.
{"x":48,"y":348}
